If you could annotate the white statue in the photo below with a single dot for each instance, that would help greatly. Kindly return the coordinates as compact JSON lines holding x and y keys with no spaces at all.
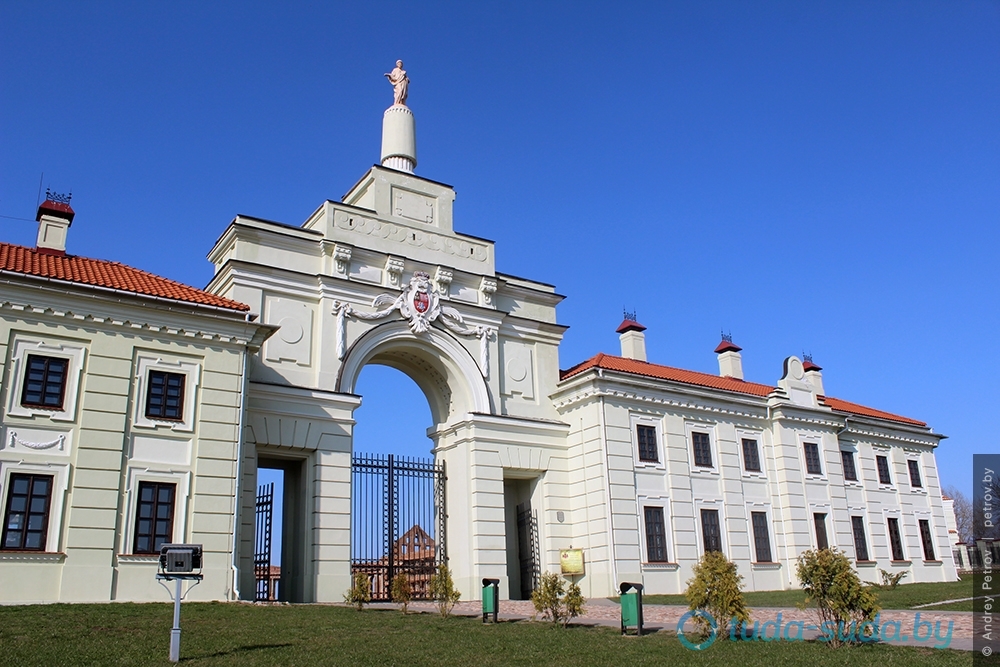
{"x":400,"y":83}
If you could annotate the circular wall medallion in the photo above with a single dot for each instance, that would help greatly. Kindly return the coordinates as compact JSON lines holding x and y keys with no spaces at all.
{"x":516,"y":369}
{"x":795,"y":368}
{"x":291,"y":330}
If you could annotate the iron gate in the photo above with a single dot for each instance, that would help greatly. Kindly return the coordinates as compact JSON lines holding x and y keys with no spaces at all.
{"x":527,"y":549}
{"x":397,"y":521}
{"x":267,"y":588}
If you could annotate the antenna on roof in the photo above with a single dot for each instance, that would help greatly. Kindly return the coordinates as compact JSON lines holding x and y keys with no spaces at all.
{"x":38,"y":199}
{"x":728,"y":337}
{"x":807,"y":357}
{"x":629,"y":316}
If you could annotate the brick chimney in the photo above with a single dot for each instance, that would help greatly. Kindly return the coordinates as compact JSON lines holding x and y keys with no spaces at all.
{"x":54,"y":217}
{"x":730,"y":361}
{"x":632,"y":338}
{"x":813,"y":374}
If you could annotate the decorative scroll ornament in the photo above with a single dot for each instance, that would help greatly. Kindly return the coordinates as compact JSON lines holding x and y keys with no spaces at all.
{"x":419,"y":303}
{"x":16,"y":441}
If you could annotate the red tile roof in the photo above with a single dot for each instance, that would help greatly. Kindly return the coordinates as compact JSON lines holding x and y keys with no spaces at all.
{"x":646,"y":369}
{"x":838,"y":405}
{"x":102,"y":273}
{"x":623,"y":365}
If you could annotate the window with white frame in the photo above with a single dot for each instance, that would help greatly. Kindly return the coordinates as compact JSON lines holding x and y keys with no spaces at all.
{"x":914,"y":469}
{"x":32,"y":496}
{"x":850,"y":470}
{"x":45,"y":378}
{"x":165,"y":392}
{"x":656,"y":534}
{"x":926,"y":538}
{"x":711,"y":530}
{"x":895,"y":539}
{"x":157,"y":507}
{"x":701,"y":444}
{"x":646,"y":439}
{"x":819,"y":523}
{"x":860,"y":538}
{"x":811,"y":451}
{"x":882,"y":463}
{"x":761,"y":537}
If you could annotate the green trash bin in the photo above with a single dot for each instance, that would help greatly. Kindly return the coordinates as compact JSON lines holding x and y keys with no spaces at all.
{"x":491,"y":599}
{"x":631,"y":602}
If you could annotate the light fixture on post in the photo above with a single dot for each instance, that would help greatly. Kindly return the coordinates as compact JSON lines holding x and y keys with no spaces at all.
{"x":177,"y":563}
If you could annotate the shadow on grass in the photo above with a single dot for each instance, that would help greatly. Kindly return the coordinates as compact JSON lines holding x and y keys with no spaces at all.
{"x":240,"y":649}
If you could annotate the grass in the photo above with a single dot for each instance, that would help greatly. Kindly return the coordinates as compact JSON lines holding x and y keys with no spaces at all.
{"x":905,"y":596}
{"x":242,"y":634}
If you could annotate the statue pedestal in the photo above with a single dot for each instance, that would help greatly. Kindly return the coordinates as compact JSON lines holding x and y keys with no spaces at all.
{"x":399,"y":139}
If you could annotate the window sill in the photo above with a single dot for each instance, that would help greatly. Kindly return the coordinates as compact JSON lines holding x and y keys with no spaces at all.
{"x":660,"y":566}
{"x":138,"y":558}
{"x":886,"y":487}
{"x":866,"y":563}
{"x":702,"y":470}
{"x":754,"y":474}
{"x":853,"y":482}
{"x":901,"y":562}
{"x":765,"y":566}
{"x":933,"y":562}
{"x":813,"y":477}
{"x":32,"y":556}
{"x":649,"y":465}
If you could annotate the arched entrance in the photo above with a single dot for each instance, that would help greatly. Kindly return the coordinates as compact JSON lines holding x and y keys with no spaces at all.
{"x":398,"y":503}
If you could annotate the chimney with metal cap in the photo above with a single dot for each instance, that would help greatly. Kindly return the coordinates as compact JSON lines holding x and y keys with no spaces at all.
{"x":730,"y":361}
{"x":632,"y":338}
{"x":54,"y":217}
{"x":813,"y":374}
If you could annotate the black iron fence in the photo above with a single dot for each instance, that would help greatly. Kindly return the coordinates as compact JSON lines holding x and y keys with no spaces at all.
{"x":267,"y":585}
{"x":397,"y":521}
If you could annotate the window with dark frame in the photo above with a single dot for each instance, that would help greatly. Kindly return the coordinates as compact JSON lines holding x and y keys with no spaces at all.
{"x":165,"y":396}
{"x":914,"y":473}
{"x":26,"y":521}
{"x":850,"y":471}
{"x":751,"y":456}
{"x":710,"y":531}
{"x":883,"y":470}
{"x":894,"y":540}
{"x":646,"y":435}
{"x":44,"y":382}
{"x":860,"y":541}
{"x":926,"y":539}
{"x":702,"y":449}
{"x":761,"y":536}
{"x":154,"y":520}
{"x":819,"y":520}
{"x":656,"y":535}
{"x":812,"y":458}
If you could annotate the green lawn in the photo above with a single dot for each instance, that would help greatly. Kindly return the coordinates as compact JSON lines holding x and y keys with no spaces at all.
{"x":242,"y":634}
{"x":906,"y":596}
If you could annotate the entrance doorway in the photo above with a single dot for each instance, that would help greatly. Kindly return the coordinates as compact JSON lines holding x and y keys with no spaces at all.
{"x":523,"y":548}
{"x":279,"y":559}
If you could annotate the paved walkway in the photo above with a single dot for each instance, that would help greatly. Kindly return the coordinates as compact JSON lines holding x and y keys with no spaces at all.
{"x":941,"y":629}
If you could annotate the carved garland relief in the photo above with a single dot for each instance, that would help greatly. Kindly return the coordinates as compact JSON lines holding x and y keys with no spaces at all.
{"x":419,"y":303}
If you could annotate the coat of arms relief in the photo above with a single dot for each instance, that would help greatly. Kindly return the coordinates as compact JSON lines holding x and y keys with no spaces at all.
{"x":419,"y":303}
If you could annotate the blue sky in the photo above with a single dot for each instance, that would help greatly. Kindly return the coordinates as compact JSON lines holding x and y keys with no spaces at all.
{"x":813,"y":177}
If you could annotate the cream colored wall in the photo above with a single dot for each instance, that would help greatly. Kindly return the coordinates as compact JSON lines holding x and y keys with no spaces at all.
{"x":109,"y":450}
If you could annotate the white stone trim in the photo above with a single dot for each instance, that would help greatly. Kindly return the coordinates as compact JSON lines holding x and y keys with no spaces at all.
{"x":758,"y":436}
{"x":74,"y":352}
{"x":136,"y":474}
{"x":718,"y":504}
{"x":147,"y":361}
{"x":60,"y":482}
{"x":815,"y":439}
{"x":828,"y":524}
{"x":20,"y":441}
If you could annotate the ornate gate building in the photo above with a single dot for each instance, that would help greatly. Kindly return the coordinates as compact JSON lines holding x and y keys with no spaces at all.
{"x":642,"y":466}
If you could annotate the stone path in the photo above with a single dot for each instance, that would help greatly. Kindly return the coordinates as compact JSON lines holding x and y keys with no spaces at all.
{"x":941,"y":629}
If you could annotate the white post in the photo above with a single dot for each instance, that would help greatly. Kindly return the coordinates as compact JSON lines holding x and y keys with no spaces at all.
{"x":175,"y":633}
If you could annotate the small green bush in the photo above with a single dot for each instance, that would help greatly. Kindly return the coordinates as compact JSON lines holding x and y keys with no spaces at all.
{"x":890,"y":580}
{"x":554,"y":601}
{"x":717,"y":588}
{"x":360,"y":592}
{"x":841,"y":599}
{"x":400,"y":590}
{"x":442,"y":589}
